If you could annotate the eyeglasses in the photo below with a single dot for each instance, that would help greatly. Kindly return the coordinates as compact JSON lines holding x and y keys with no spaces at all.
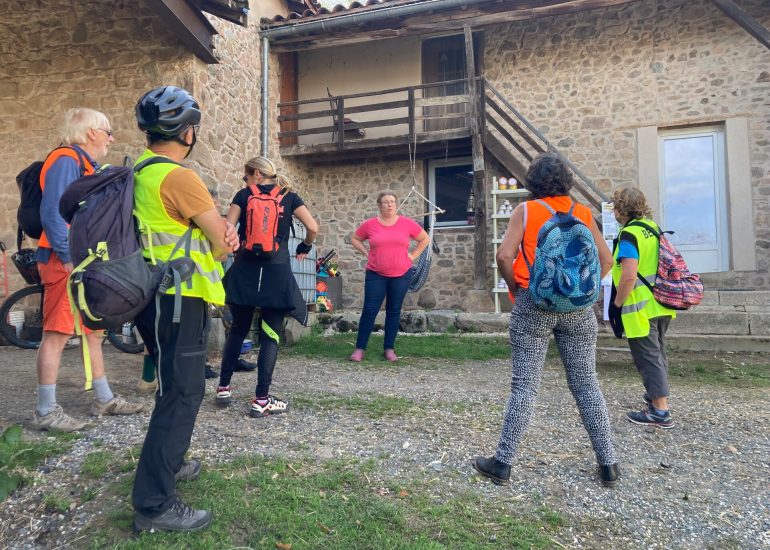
{"x":108,"y":132}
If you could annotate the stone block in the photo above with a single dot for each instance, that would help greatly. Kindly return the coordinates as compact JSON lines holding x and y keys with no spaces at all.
{"x":440,"y":321}
{"x":710,"y":298}
{"x":759,"y":324}
{"x":744,"y":297}
{"x":477,"y":301}
{"x":294,"y":331}
{"x":482,"y":322}
{"x":217,"y":336}
{"x":413,"y":322}
{"x":710,"y":322}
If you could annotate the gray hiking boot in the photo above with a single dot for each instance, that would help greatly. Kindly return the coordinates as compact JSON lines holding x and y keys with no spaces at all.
{"x":57,"y":420}
{"x":189,"y":471}
{"x":116,"y":405}
{"x":179,"y":517}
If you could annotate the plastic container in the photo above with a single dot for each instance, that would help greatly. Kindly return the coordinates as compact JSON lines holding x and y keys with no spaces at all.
{"x":16,"y":319}
{"x":247,"y":346}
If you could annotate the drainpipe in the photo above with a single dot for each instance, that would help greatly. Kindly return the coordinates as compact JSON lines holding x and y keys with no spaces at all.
{"x":265,"y":93}
{"x":348,"y":20}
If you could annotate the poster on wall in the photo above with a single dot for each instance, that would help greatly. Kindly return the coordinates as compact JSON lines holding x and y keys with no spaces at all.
{"x":610,"y":228}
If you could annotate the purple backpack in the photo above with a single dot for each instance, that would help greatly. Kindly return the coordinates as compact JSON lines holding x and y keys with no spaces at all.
{"x":112,"y":282}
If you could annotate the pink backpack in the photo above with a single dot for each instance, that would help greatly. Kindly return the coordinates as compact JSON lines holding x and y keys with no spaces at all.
{"x":675,"y":286}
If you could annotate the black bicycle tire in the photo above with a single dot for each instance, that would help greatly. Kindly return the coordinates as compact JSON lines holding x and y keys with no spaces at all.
{"x":115,"y":339}
{"x":5,"y":329}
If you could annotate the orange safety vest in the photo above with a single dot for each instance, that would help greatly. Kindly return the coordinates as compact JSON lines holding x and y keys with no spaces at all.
{"x":536,"y":216}
{"x":53,"y":156}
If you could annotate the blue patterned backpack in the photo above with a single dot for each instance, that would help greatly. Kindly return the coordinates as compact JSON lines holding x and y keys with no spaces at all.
{"x":565,"y":274}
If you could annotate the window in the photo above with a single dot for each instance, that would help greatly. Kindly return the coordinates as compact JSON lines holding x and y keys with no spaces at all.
{"x":451,"y":182}
{"x":693,"y":196}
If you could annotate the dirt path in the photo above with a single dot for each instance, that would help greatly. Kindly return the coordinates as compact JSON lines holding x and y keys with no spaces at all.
{"x":703,"y":484}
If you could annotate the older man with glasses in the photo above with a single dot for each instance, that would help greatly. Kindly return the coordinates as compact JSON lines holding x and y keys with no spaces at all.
{"x":86,"y":136}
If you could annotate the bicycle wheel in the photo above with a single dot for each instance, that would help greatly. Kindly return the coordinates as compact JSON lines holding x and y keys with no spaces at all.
{"x":125,"y":339}
{"x":21,"y":317}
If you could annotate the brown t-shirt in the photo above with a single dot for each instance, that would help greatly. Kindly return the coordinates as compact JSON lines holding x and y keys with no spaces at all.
{"x":184,"y":195}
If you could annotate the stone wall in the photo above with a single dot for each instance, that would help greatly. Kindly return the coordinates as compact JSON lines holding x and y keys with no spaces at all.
{"x":104,"y":55}
{"x":589,"y":80}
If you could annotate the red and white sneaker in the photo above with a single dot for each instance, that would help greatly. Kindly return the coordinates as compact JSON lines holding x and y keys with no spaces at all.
{"x":266,"y":407}
{"x":224,"y":396}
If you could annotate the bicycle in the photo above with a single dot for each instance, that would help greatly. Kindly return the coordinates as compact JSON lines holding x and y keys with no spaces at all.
{"x":21,"y":314}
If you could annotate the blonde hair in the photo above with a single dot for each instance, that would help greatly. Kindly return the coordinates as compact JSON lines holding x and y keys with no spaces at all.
{"x":267,"y":169}
{"x":386,"y":193}
{"x":631,"y":203}
{"x":78,"y":121}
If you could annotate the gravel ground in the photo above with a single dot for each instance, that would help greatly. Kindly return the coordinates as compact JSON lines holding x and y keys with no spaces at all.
{"x":704,"y":484}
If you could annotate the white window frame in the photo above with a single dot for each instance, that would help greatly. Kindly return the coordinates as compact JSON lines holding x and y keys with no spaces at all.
{"x":721,"y":192}
{"x":442,"y":163}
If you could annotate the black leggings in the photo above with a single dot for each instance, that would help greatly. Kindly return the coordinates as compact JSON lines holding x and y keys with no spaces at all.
{"x":270,"y":326}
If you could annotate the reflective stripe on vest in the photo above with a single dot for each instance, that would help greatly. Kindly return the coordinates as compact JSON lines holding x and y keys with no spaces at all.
{"x":640,"y":306}
{"x":160,"y":234}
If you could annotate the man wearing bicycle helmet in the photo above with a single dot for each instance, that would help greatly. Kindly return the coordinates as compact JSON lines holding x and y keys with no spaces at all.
{"x":86,"y":136}
{"x":169,"y":200}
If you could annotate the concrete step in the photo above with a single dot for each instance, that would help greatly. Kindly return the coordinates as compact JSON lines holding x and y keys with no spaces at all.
{"x":700,"y":342}
{"x":738,"y":299}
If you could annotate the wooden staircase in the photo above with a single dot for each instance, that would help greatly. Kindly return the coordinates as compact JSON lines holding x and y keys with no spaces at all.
{"x":514,"y":142}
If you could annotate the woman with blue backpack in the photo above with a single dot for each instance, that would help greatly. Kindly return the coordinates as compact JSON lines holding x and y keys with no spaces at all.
{"x":552,"y":257}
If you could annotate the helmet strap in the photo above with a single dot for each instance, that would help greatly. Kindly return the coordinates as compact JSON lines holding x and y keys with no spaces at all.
{"x":189,"y":145}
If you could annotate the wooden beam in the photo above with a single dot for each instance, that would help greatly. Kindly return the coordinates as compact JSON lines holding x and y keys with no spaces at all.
{"x":745,"y":20}
{"x":442,"y":22}
{"x":479,"y":173}
{"x":186,"y":21}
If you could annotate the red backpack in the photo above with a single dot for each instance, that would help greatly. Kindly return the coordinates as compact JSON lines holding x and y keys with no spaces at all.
{"x":675,"y":287}
{"x":263,"y":210}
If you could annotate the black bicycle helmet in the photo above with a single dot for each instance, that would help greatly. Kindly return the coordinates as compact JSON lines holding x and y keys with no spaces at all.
{"x":167,"y":111}
{"x":24,"y":260}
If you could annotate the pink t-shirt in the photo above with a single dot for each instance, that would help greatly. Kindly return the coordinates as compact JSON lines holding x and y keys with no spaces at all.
{"x":389,"y":245}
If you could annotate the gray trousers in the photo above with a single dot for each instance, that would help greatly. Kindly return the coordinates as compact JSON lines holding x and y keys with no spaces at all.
{"x":649,"y":354}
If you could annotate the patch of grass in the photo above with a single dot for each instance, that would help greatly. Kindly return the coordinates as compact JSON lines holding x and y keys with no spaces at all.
{"x":373,"y":405}
{"x":332,"y":506}
{"x":57,"y":502}
{"x":739,"y":370}
{"x":457,"y":347}
{"x":96,"y":464}
{"x":18,"y":457}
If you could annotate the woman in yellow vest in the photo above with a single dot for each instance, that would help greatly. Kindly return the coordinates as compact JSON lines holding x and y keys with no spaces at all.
{"x":645,"y":321}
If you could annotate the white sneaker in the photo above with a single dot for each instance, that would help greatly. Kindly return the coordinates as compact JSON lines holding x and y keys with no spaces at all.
{"x":273,"y":406}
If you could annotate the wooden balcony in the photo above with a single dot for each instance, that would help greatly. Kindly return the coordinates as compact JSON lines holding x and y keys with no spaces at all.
{"x":408,"y":122}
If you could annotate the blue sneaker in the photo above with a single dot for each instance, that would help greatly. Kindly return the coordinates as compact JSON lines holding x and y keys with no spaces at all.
{"x":646,"y":417}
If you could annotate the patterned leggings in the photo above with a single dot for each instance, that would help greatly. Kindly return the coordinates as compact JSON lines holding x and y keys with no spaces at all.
{"x":575,"y":335}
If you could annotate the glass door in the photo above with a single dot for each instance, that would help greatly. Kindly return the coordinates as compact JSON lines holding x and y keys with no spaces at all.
{"x":693,"y":196}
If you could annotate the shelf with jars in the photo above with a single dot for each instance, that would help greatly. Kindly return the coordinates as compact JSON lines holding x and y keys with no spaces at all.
{"x":506,"y":193}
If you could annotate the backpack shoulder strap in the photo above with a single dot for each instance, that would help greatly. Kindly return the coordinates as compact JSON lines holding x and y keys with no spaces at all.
{"x":646,"y":226}
{"x":572,"y":208}
{"x":254,"y":190}
{"x":548,"y":207}
{"x":154,"y":160}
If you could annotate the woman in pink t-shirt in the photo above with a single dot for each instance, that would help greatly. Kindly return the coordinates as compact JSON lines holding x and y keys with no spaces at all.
{"x":388,"y":269}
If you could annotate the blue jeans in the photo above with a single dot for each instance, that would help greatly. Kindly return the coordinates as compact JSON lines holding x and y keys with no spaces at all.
{"x":376,"y":288}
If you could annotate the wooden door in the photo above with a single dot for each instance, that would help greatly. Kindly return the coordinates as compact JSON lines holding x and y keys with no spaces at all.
{"x":289,"y":92}
{"x":443,"y":59}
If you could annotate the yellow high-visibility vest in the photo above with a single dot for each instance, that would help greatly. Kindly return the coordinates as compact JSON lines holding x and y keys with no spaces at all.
{"x":641,"y":305}
{"x":160,"y":233}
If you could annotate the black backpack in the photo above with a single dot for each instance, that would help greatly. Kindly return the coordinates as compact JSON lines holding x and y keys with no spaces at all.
{"x":112,"y":282}
{"x":28,"y":181}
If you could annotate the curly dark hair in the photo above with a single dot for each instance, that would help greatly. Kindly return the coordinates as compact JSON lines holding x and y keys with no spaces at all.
{"x":548,"y":176}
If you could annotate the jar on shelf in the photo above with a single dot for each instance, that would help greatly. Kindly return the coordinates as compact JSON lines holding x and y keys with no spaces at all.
{"x":502,"y":183}
{"x":513,"y":183}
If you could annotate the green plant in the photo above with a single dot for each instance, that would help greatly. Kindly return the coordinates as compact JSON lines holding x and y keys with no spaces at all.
{"x":57,"y":502}
{"x":96,"y":464}
{"x":18,"y":457}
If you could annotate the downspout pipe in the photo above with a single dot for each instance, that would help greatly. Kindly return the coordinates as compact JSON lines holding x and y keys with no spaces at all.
{"x":265,"y":94}
{"x":339,"y":22}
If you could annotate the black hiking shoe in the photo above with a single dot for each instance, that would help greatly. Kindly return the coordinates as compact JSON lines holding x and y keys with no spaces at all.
{"x":610,"y":474}
{"x":210,"y":372}
{"x":498,"y":472}
{"x":244,"y":366}
{"x":189,"y":471}
{"x":179,"y":517}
